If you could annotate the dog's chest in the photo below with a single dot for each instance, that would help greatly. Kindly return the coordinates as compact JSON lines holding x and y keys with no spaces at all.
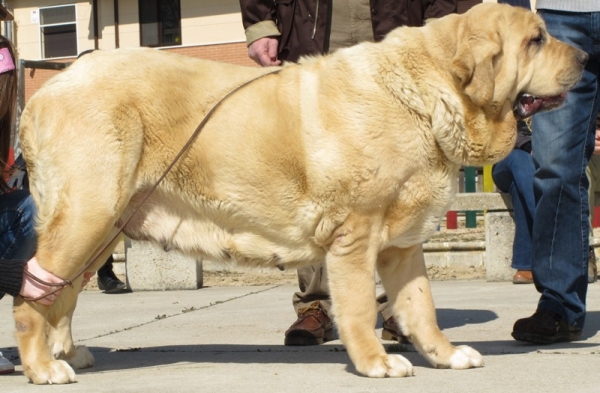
{"x":422,"y":203}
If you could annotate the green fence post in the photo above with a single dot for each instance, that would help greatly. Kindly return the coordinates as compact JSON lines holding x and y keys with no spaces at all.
{"x":470,"y":186}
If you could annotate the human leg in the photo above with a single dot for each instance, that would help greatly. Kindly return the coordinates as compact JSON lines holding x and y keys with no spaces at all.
{"x":391,"y":329}
{"x":562,"y":144}
{"x":592,"y":172}
{"x":313,"y":307}
{"x":312,"y":282}
{"x":108,"y":280}
{"x":17,"y":235}
{"x":514,"y":175}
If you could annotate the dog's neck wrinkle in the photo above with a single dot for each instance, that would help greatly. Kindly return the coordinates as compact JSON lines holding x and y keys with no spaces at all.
{"x":448,"y":127}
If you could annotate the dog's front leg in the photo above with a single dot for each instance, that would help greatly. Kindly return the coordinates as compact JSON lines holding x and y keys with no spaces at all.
{"x":38,"y":363}
{"x":404,"y":277}
{"x":351,"y":268}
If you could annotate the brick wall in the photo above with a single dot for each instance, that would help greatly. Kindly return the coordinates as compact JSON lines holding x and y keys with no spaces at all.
{"x":229,"y":53}
{"x":235,"y":53}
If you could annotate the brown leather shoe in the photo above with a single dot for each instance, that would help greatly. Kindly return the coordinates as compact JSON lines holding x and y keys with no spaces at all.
{"x":523,"y":277}
{"x":313,"y":327}
{"x":391,"y":331}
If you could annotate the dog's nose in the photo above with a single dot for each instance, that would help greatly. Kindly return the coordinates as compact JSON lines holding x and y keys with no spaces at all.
{"x":582,"y":57}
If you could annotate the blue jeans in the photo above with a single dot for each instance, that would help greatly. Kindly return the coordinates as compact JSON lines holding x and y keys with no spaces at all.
{"x":563,"y":141}
{"x":18,"y":239}
{"x":514,"y":175}
{"x":17,"y":236}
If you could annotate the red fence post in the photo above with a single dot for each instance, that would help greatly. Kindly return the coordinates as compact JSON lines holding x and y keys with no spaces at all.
{"x":452,"y":220}
{"x":596,"y":220}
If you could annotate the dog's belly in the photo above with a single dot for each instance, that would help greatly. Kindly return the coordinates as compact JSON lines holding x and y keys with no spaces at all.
{"x":250,"y":226}
{"x":253,"y":242}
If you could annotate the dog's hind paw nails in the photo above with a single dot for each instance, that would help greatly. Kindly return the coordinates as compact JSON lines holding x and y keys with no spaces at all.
{"x":394,"y":366}
{"x":83,"y":358}
{"x":465,"y":357}
{"x":55,"y":372}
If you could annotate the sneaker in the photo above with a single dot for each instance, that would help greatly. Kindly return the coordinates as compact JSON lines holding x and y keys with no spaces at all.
{"x":111,"y":284}
{"x":6,"y":367}
{"x":545,"y":327}
{"x":108,"y":280}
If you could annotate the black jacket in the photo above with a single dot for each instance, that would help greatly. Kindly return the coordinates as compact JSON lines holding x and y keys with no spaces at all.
{"x":304,"y":24}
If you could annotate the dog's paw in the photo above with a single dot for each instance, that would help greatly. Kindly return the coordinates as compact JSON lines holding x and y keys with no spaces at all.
{"x":83,"y":358}
{"x":395,"y":366}
{"x":55,"y":372}
{"x":465,"y":357}
{"x":78,"y":357}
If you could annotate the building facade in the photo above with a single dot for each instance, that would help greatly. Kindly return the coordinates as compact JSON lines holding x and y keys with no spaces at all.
{"x":58,"y":30}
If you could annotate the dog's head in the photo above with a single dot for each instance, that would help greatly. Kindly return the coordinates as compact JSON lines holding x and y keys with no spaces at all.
{"x":502,"y":65}
{"x":505,"y":53}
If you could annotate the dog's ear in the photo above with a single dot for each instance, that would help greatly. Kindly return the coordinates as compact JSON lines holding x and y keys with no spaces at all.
{"x":473,"y":66}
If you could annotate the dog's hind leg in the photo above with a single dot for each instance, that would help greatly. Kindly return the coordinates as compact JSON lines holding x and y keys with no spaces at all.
{"x":60,"y":341}
{"x":351,"y":268}
{"x":64,"y":246}
{"x":35,"y":324}
{"x":31,"y":321}
{"x":60,"y":338}
{"x":52,"y":361}
{"x":404,"y":277}
{"x":83,"y":159}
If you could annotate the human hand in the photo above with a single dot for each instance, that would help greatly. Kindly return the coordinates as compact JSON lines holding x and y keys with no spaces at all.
{"x":597,"y":144}
{"x":264,"y":51}
{"x":32,"y":289}
{"x":87,"y":276}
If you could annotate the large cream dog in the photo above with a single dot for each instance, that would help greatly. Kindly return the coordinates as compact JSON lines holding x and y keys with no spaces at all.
{"x":350,"y":159}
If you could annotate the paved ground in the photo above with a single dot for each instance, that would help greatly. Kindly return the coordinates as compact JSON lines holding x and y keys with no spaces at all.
{"x":230,"y":339}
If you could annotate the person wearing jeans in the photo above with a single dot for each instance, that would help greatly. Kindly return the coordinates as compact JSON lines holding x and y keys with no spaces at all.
{"x":17,"y":245}
{"x":563,"y":141}
{"x":514,"y":175}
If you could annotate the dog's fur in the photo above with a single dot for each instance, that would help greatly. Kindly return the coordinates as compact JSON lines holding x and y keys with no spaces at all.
{"x":348,"y":159}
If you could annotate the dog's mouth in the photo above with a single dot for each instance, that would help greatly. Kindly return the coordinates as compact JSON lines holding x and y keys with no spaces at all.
{"x":528,"y":105}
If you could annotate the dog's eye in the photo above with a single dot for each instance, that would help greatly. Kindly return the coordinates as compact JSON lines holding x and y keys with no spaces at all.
{"x":538,"y":40}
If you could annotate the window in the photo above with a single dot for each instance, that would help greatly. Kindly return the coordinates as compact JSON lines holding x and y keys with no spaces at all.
{"x":58,"y":31}
{"x":160,"y":22}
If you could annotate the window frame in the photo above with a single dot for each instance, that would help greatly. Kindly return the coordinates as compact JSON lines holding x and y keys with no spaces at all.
{"x":159,"y":24}
{"x":42,"y":26}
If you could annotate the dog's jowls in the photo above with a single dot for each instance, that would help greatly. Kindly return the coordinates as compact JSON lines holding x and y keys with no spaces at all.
{"x":348,"y":159}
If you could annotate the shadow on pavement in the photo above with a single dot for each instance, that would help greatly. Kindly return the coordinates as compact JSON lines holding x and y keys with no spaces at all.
{"x":108,"y":359}
{"x":451,"y":318}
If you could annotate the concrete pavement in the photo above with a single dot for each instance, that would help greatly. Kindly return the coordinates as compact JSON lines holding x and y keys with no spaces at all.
{"x":230,"y":339}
